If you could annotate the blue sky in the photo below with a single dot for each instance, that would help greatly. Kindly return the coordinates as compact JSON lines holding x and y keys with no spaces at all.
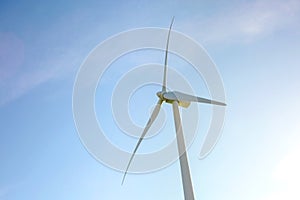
{"x":255,"y":45}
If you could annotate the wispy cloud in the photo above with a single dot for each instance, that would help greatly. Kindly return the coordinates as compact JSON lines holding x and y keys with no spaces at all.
{"x":18,"y":85}
{"x":20,"y":81}
{"x":36,"y":54}
{"x":247,"y":21}
{"x":27,"y":65}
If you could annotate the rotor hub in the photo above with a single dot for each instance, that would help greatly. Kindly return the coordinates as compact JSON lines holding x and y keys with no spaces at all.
{"x":160,"y":95}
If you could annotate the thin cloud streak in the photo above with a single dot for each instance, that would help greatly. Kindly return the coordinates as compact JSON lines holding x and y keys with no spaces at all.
{"x":49,"y":55}
{"x":22,"y":82}
{"x":246,"y":22}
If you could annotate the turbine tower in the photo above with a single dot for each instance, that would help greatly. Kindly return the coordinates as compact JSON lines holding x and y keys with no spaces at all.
{"x":176,"y":99}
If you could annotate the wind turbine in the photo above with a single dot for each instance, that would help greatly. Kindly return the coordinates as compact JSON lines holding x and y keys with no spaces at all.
{"x":176,"y":99}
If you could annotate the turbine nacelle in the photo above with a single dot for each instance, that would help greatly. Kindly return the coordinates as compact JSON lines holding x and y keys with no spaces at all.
{"x":170,"y":97}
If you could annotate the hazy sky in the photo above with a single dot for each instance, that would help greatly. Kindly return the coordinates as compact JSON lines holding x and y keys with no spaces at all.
{"x":255,"y":45}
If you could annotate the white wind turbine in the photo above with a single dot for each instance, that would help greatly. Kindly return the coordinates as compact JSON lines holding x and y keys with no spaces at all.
{"x":176,"y":99}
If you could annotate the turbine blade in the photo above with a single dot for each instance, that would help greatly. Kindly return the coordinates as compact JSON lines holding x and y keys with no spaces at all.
{"x":184,"y":165}
{"x":149,"y":123}
{"x":164,"y":87}
{"x":179,"y":96}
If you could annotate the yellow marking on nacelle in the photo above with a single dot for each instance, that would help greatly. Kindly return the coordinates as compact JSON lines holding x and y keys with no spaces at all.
{"x":184,"y":104}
